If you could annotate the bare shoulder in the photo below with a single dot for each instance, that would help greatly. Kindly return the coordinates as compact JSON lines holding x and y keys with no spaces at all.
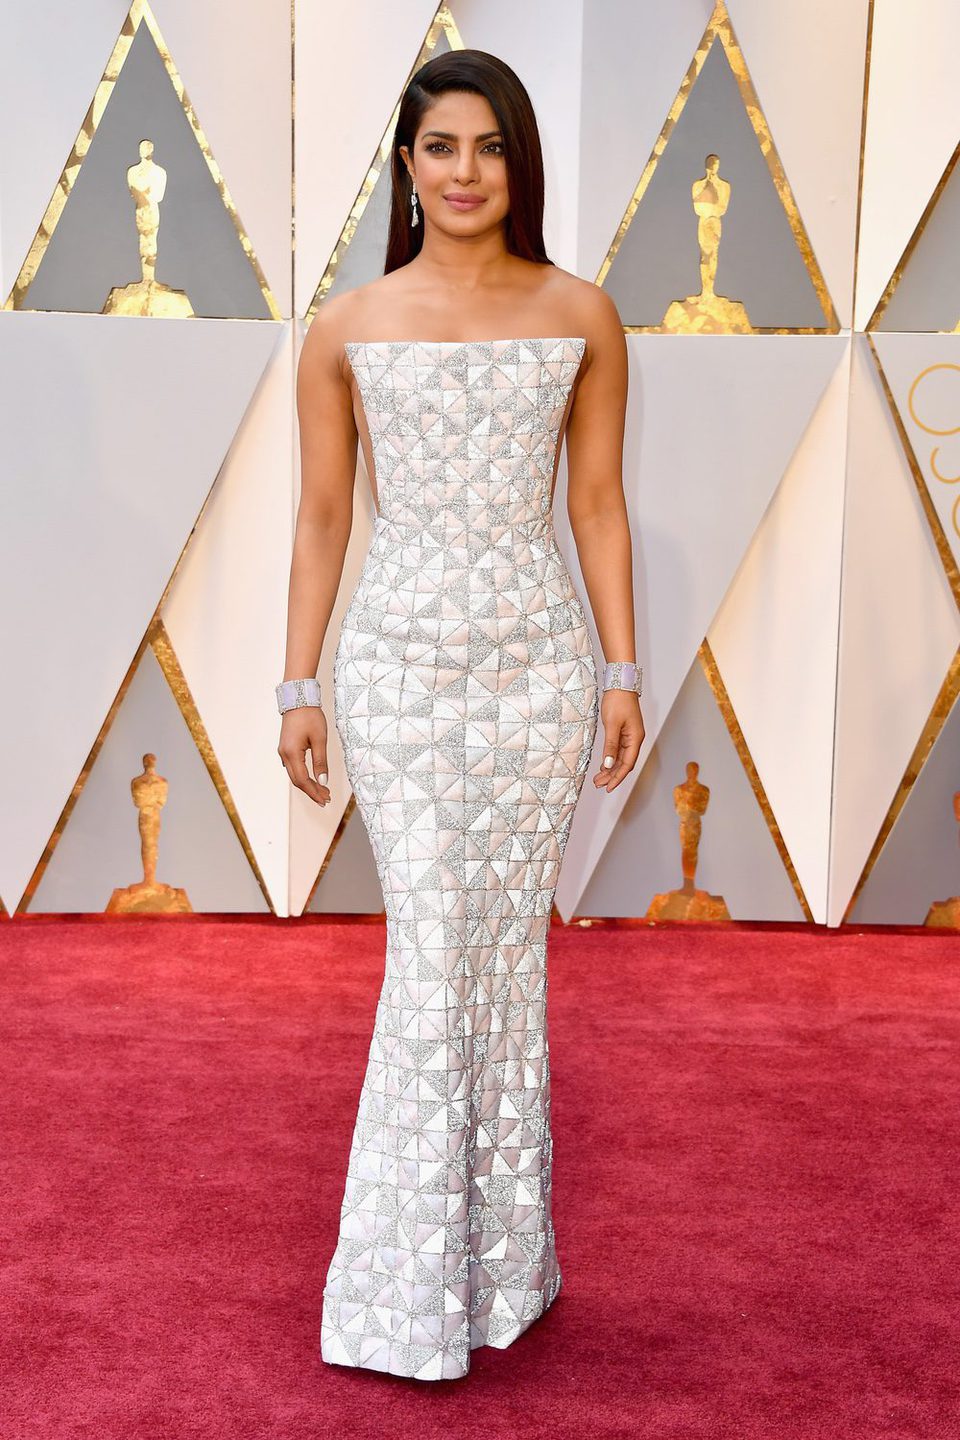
{"x":343,"y":318}
{"x":591,"y":312}
{"x":323,"y":343}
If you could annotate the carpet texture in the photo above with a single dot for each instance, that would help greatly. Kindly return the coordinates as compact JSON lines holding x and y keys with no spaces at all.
{"x":757,"y":1166}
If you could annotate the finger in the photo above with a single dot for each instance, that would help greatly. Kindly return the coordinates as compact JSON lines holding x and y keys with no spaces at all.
{"x":606,"y":772}
{"x":318,"y":762}
{"x":295,"y":765}
{"x":624,"y":759}
{"x":625,"y":763}
{"x":300,"y":776}
{"x":611,"y":752}
{"x":603,"y":774}
{"x":608,"y":776}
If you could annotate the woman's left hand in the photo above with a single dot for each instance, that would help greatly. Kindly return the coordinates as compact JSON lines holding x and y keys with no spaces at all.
{"x":623,"y":734}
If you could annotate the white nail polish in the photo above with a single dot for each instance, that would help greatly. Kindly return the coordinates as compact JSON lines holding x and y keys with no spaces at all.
{"x":607,"y":762}
{"x":323,"y":777}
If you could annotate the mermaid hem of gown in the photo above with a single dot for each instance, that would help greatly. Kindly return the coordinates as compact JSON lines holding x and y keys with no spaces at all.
{"x":466,"y":702}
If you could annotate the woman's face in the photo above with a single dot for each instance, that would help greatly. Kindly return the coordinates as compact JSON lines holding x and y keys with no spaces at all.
{"x":459,"y":151}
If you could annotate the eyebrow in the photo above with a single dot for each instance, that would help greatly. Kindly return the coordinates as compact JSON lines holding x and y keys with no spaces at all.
{"x":449,"y":135}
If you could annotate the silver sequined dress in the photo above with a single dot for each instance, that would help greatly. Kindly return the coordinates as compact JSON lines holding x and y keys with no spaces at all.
{"x":466,"y":701}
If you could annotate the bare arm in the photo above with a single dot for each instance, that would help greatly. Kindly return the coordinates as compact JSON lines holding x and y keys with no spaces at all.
{"x":598,"y":519}
{"x":328,"y":462}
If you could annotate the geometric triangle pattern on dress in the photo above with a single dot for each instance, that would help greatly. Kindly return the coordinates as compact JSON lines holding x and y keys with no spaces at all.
{"x":466,"y":700}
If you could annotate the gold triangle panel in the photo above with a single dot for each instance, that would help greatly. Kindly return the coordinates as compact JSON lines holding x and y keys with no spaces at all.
{"x":942,"y":709}
{"x":141,"y":221}
{"x":152,"y":742}
{"x":712,"y":241}
{"x":923,"y":293}
{"x":697,"y":838}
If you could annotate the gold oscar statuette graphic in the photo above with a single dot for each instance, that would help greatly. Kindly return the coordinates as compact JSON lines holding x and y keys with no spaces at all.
{"x":708,"y":313}
{"x":147,"y":182}
{"x":945,"y":914}
{"x":688,"y":903}
{"x":149,"y":792}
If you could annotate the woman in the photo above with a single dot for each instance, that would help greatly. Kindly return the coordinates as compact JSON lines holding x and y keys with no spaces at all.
{"x":466,"y":698}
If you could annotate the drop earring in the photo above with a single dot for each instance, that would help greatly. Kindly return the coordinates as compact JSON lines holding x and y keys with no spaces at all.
{"x":415,"y":218}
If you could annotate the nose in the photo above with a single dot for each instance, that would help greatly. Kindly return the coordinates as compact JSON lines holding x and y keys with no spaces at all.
{"x":466,"y":168}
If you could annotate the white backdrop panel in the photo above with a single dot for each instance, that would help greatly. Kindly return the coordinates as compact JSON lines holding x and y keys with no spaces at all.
{"x":225,"y":615}
{"x":775,"y":636}
{"x":899,"y":628}
{"x":114,"y":430}
{"x":711,"y":425}
{"x":913,"y":126}
{"x":929,"y":367}
{"x":118,"y":429}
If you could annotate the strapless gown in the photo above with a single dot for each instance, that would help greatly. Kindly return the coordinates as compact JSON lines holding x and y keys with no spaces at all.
{"x":466,"y":701}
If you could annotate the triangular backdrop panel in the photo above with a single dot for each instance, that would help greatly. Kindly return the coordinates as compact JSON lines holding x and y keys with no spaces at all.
{"x":920,"y":862}
{"x":58,"y":69}
{"x":912,"y":126}
{"x":926,"y":294}
{"x":759,"y":261}
{"x":899,"y":629}
{"x":226,"y":614}
{"x":923,"y":373}
{"x":252,"y":144}
{"x":362,"y":260}
{"x":94,"y":246}
{"x":350,"y":883}
{"x":711,"y":426}
{"x":813,"y":102}
{"x":775,"y":637}
{"x":99,"y":849}
{"x":627,"y":87}
{"x":737,"y":856}
{"x":114,"y":430}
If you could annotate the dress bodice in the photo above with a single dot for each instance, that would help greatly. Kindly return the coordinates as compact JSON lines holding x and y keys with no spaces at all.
{"x":464,"y":433}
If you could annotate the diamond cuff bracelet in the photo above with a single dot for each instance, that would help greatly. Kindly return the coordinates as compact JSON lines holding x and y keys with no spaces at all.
{"x":291,"y":694}
{"x":623,"y":675}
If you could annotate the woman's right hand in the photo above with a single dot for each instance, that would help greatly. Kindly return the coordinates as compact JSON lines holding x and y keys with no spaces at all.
{"x":305,"y":728}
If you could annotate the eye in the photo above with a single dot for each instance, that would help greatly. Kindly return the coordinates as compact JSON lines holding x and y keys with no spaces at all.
{"x":435,"y":145}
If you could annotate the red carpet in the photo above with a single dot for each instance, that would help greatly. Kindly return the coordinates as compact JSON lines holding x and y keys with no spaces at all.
{"x":757,"y":1137}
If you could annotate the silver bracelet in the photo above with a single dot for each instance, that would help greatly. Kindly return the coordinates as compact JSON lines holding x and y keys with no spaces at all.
{"x":291,"y":694}
{"x":623,"y":675}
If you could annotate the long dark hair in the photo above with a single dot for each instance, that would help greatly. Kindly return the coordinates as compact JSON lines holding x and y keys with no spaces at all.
{"x":490,"y":76}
